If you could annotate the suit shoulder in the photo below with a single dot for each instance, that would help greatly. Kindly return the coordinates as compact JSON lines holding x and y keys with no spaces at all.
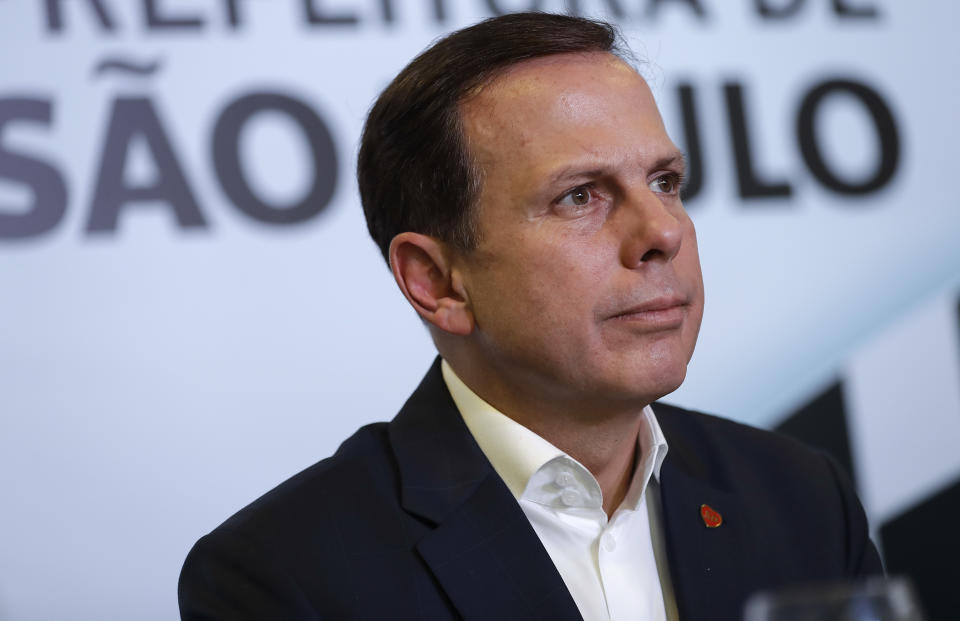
{"x":790,"y":491}
{"x":779,"y":476}
{"x":745,"y":460}
{"x":709,"y":437}
{"x":281,"y":556}
{"x":358,"y":473}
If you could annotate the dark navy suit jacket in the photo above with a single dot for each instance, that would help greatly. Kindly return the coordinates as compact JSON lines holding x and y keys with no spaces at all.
{"x":408,"y":520}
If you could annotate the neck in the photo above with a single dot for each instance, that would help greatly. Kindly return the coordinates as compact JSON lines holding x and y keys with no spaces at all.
{"x":608,"y":449}
{"x":601,"y":436}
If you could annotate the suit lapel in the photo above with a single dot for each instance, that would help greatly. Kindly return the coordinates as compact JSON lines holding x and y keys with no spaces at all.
{"x":491,"y":563}
{"x":706,"y":564}
{"x":483,"y":551}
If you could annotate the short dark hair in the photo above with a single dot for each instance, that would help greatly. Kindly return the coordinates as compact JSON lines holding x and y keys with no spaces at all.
{"x":414,"y":169}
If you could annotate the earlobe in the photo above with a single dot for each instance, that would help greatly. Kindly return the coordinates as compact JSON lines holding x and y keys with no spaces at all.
{"x":421,"y":267}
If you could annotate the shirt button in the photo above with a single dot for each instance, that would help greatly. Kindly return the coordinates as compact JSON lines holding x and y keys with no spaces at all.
{"x":565,"y":478}
{"x":608,"y":542}
{"x":570,"y":497}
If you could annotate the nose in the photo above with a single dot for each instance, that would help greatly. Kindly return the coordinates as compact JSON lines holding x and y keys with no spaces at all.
{"x":652,"y":229}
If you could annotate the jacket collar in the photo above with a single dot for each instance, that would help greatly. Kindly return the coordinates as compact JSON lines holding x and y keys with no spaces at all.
{"x":440,"y":464}
{"x":482,"y":549}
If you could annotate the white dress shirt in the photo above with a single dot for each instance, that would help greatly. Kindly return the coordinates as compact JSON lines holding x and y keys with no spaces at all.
{"x":615,"y":568}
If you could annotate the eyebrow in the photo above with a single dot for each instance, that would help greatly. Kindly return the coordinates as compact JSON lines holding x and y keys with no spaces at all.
{"x":673,"y":160}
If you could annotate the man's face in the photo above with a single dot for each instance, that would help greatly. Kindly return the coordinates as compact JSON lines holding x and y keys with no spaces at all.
{"x":585,"y":285}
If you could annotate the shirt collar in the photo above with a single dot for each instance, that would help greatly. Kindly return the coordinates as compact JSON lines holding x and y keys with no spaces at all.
{"x":514,"y":451}
{"x":517,"y":453}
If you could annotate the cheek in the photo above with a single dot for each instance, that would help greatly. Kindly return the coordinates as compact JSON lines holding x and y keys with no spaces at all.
{"x":693,"y":279}
{"x":688,"y":261}
{"x":543,"y":277}
{"x":568,"y":281}
{"x":549,"y":294}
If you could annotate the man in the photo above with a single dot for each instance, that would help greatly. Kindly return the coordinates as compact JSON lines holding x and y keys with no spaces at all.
{"x":518,"y":178}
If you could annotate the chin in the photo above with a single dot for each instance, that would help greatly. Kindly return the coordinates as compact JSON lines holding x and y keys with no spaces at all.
{"x":651,"y":382}
{"x":666,"y":386}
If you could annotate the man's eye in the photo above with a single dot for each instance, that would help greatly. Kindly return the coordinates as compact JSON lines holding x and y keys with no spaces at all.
{"x":577,"y":197}
{"x":666,"y":184}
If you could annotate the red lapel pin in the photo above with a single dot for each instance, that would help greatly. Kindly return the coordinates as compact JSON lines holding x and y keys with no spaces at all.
{"x":711,"y":518}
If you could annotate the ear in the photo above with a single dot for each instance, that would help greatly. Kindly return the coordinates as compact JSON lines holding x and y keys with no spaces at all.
{"x":422,"y":269}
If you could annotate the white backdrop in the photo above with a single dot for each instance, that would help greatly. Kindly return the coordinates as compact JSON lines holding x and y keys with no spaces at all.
{"x":163,"y":361}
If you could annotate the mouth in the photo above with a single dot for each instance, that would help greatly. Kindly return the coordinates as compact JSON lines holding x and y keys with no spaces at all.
{"x":665,"y":313}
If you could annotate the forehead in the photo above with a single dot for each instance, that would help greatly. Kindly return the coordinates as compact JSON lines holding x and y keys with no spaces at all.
{"x":528,"y":77}
{"x":541,"y":112}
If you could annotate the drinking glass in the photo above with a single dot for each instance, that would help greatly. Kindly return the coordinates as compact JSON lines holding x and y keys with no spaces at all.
{"x":876,"y":599}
